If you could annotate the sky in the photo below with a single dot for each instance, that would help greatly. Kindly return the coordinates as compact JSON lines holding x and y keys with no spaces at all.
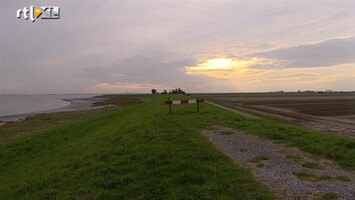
{"x":117,"y":46}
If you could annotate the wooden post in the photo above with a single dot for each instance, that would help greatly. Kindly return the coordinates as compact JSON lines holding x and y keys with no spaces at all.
{"x":169,"y":106}
{"x":198,"y":105}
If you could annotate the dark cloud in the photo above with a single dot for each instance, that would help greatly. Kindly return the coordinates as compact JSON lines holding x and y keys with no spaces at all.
{"x":328,"y":53}
{"x":157,"y":67}
{"x":139,"y":68}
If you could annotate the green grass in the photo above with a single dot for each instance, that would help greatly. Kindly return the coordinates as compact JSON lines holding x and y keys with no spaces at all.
{"x":244,"y":149}
{"x":311,"y":177}
{"x":343,"y":178}
{"x":137,"y":152}
{"x":39,"y":123}
{"x":316,"y":178}
{"x":312,"y":165}
{"x":258,"y":159}
{"x":260,"y":165}
{"x":42,"y":122}
{"x":122,"y":100}
{"x":323,"y":145}
{"x":294,"y":157}
{"x":142,"y":152}
{"x":227,"y":133}
{"x":328,"y":196}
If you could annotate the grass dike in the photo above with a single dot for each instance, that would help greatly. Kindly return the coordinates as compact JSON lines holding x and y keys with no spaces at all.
{"x":135,"y":149}
{"x":132,"y":152}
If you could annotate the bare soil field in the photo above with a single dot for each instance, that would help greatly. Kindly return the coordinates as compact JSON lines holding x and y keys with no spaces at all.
{"x":333,"y":113}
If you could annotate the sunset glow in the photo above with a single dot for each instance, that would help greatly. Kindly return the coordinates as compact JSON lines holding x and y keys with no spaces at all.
{"x":122,"y":87}
{"x":222,"y":67}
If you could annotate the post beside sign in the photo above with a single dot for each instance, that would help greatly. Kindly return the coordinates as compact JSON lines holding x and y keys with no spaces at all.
{"x":186,"y":101}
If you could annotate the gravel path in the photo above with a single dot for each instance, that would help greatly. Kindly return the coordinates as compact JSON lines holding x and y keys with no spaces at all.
{"x":286,"y":170}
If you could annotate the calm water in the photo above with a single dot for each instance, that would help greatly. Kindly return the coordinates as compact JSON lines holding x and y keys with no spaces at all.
{"x":21,"y":104}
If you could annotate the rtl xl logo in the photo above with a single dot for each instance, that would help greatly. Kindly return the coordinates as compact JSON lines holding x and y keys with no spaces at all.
{"x":43,"y":12}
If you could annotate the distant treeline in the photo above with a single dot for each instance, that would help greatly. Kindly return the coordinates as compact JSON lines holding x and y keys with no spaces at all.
{"x":173,"y":91}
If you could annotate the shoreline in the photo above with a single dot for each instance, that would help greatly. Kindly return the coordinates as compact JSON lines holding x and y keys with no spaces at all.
{"x":76,"y":104}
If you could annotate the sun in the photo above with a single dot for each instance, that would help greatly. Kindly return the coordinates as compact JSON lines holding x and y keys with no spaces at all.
{"x":214,"y":64}
{"x":219,"y":63}
{"x":222,"y":64}
{"x":226,"y":68}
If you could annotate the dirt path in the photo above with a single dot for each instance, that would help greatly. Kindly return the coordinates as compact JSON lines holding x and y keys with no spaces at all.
{"x":330,"y":124}
{"x":287,"y":171}
{"x":324,"y":124}
{"x":234,"y":110}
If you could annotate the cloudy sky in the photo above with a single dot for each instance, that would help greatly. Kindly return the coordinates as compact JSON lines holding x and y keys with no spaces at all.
{"x":198,"y":45}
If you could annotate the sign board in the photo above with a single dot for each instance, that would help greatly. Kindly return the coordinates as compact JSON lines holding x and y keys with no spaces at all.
{"x":186,"y":101}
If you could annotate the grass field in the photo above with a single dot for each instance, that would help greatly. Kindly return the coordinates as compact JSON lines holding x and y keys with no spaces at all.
{"x":142,"y":152}
{"x":137,"y":152}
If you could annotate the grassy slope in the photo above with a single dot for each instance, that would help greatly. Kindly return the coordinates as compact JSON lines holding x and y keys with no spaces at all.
{"x":137,"y":152}
{"x":142,"y":152}
{"x":42,"y":122}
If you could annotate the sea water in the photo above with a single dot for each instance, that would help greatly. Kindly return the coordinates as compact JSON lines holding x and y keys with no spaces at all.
{"x":22,"y":104}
